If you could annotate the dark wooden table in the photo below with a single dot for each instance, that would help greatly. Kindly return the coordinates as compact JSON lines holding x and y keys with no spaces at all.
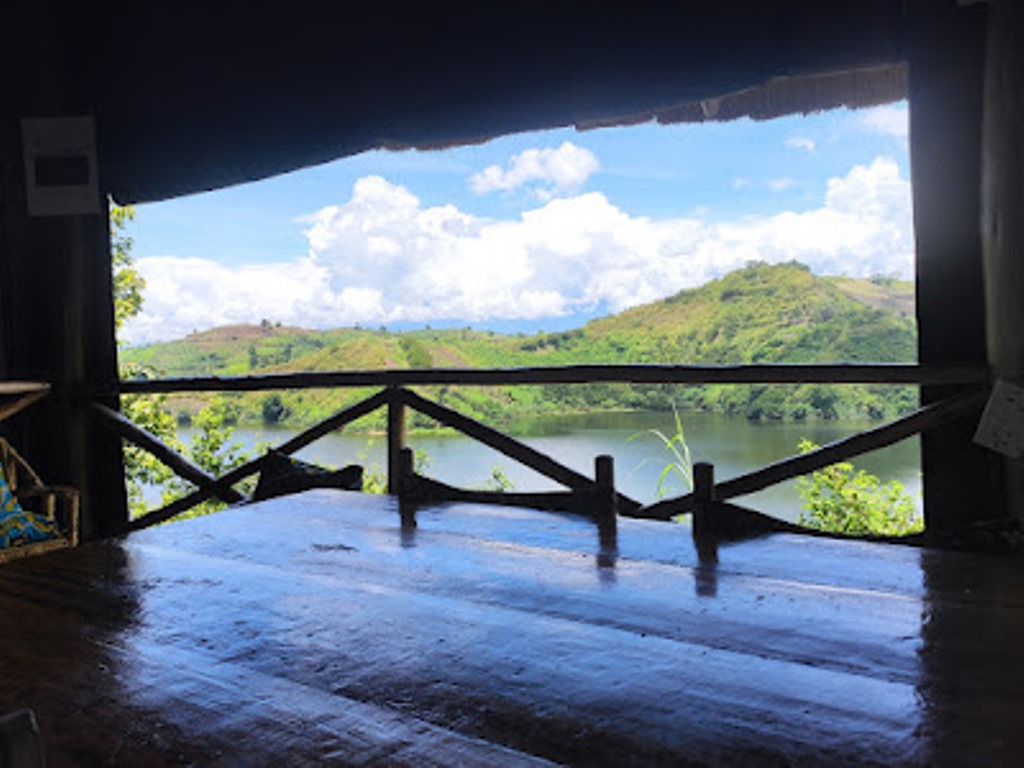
{"x":319,"y":629}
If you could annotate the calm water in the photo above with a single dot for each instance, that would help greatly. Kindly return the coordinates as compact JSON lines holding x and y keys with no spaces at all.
{"x":733,"y":445}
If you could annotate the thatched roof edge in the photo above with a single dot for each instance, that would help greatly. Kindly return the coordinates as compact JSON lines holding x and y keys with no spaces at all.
{"x":800,"y":94}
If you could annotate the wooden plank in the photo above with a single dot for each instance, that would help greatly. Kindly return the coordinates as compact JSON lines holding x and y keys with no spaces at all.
{"x":606,"y":505}
{"x":288,"y":447}
{"x":499,"y":441}
{"x":665,"y":509}
{"x":23,"y":387}
{"x":730,"y":522}
{"x":198,"y":496}
{"x":396,"y":439}
{"x":840,"y":373}
{"x":337,"y":421}
{"x":509,"y":446}
{"x":923,"y":419}
{"x":502,"y":635}
{"x":177,"y":463}
{"x":929,"y":417}
{"x":426,"y":490}
{"x":24,"y":399}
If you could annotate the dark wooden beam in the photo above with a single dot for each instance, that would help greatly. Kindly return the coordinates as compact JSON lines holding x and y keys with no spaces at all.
{"x":784,"y":373}
{"x":1002,"y":206}
{"x":515,"y":450}
{"x":946,"y":82}
{"x":396,"y":438}
{"x":177,"y":463}
{"x":930,"y":417}
{"x":56,"y":309}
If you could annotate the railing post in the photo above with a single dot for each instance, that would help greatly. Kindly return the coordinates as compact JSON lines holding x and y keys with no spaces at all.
{"x":606,"y":502}
{"x":703,"y":504}
{"x":406,"y":463}
{"x":396,"y":438}
{"x":407,"y":496}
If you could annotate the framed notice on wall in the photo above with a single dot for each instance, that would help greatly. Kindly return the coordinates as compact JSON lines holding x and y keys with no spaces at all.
{"x":61,"y":175}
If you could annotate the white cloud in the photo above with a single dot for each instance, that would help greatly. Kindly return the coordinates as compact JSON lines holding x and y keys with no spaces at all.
{"x":801,"y":142}
{"x":382,"y":257}
{"x":889,"y":120}
{"x":781,"y":184}
{"x":187,"y":294}
{"x":547,"y":171}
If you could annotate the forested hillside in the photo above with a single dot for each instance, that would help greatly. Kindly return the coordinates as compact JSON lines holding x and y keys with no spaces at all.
{"x":760,"y":314}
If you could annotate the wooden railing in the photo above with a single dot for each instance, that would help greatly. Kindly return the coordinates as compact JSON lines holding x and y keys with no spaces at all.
{"x":709,"y":502}
{"x":786,"y":373}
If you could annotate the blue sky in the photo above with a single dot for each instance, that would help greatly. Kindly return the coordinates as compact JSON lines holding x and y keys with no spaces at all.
{"x":539,"y":230}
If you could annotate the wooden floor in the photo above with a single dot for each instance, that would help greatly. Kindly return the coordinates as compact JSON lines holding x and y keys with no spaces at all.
{"x":319,"y":630}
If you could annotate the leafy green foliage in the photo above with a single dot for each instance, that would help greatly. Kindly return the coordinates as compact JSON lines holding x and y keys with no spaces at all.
{"x":211,"y":447}
{"x":498,"y":481}
{"x":128,"y":283}
{"x":416,"y":355}
{"x":842,"y":499}
{"x":141,"y":468}
{"x":274,"y":410}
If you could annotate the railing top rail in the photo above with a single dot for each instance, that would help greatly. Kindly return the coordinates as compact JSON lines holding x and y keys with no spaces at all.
{"x":23,"y":387}
{"x":788,"y":373}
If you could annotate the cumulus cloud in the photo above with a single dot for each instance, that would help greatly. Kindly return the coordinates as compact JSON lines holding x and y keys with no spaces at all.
{"x":547,"y":172}
{"x":383,"y":257}
{"x":187,"y":294}
{"x":889,"y":120}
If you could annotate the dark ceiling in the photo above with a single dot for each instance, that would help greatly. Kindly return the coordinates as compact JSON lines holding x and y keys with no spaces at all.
{"x":193,"y":96}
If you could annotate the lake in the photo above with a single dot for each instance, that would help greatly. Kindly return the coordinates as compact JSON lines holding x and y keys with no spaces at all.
{"x":733,"y":445}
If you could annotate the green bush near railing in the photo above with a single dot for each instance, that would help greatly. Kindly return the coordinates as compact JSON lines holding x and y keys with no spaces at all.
{"x":846,"y":500}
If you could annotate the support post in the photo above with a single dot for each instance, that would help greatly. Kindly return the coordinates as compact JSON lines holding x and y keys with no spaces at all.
{"x":56,"y":291}
{"x":405,"y":470}
{"x":961,"y":480}
{"x":703,"y":503}
{"x":1002,"y":203}
{"x":606,"y":502}
{"x":396,"y":439}
{"x":407,"y":500}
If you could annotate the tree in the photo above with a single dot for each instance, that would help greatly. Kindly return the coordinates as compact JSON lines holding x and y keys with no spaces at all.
{"x":141,"y":468}
{"x":128,"y":283}
{"x":274,"y":409}
{"x":211,"y":447}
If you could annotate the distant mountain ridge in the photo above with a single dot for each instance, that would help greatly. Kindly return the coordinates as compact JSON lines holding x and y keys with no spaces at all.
{"x":760,"y":314}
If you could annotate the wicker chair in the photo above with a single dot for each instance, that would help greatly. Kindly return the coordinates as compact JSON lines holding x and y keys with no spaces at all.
{"x":59,"y":504}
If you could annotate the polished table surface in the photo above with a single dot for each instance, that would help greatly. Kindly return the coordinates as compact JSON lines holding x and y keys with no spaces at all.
{"x":318,"y":629}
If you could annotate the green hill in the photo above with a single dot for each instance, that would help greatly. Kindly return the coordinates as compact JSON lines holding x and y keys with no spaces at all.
{"x":760,"y":314}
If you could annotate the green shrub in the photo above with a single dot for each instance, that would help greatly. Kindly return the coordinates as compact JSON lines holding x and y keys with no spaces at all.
{"x":842,"y":499}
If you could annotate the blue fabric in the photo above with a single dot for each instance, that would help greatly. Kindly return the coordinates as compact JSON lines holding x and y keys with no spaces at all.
{"x":19,"y":526}
{"x":8,"y":502}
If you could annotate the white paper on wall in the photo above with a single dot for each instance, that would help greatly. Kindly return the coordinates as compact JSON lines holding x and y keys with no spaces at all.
{"x":1002,"y":424}
{"x":61,"y":176}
